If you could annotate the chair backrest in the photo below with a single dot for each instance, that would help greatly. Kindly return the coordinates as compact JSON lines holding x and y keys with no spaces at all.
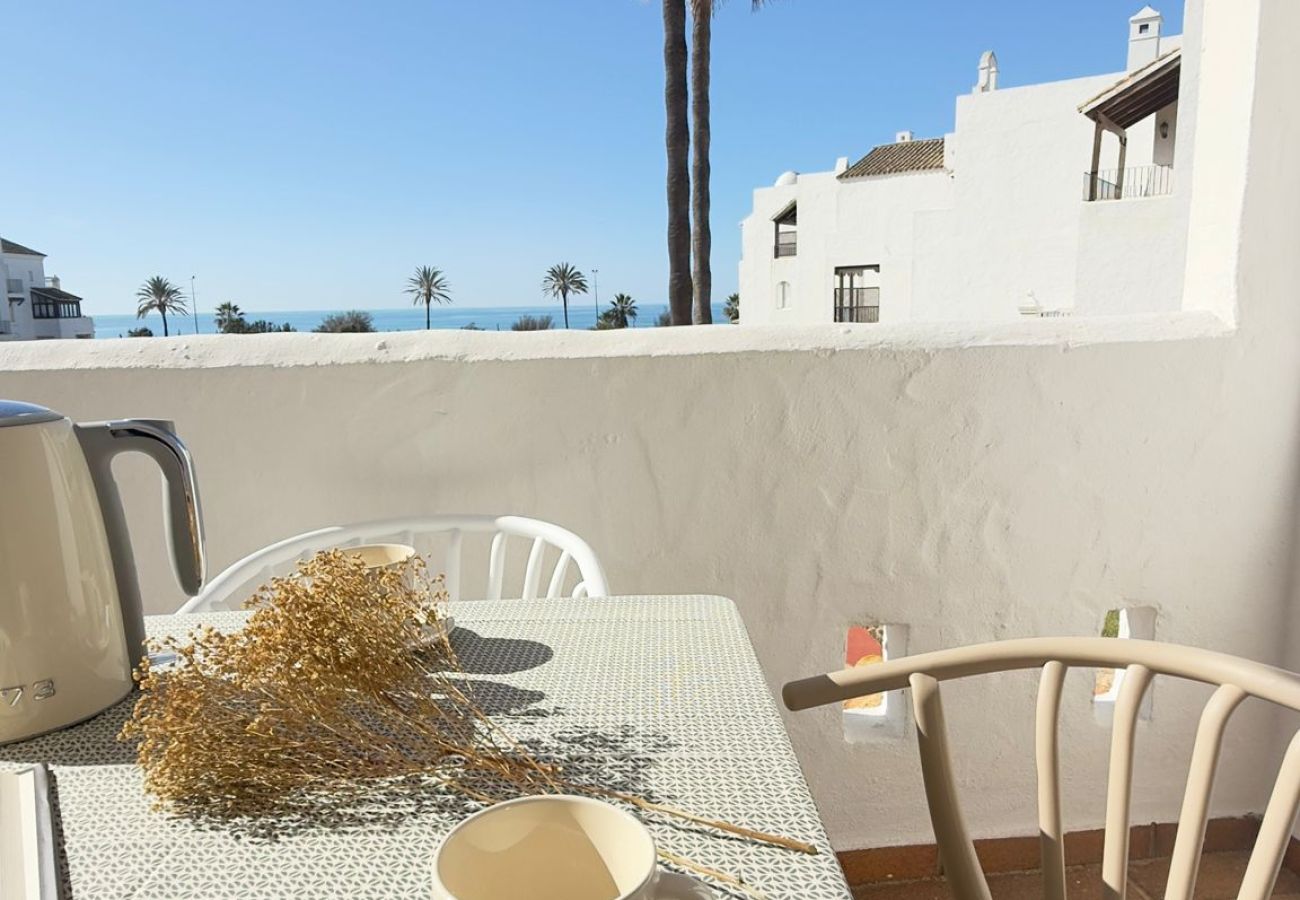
{"x":238,"y":581}
{"x":1235,"y":678}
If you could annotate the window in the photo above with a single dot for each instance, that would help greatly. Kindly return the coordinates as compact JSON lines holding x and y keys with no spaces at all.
{"x":783,"y":295}
{"x":857,"y":294}
{"x":1144,"y":28}
{"x":44,"y":308}
{"x":787,"y":238}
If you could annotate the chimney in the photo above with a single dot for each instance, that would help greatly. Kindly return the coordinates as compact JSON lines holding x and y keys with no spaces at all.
{"x":988,"y":73}
{"x":52,"y":281}
{"x":902,"y":137}
{"x":841,"y":165}
{"x":1144,"y":37}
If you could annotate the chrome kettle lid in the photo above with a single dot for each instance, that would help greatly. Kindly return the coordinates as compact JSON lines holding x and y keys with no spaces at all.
{"x":13,"y":412}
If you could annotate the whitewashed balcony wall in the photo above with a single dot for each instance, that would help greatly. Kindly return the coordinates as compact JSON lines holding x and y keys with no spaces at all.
{"x":972,"y":482}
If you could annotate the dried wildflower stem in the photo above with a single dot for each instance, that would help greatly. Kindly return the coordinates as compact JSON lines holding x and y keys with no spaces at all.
{"x":719,"y":876}
{"x":740,"y":830}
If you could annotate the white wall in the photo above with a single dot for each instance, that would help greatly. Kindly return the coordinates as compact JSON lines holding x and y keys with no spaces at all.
{"x":31,"y":269}
{"x":851,"y":223}
{"x":1131,"y":256}
{"x":1020,"y":155}
{"x":974,"y":482}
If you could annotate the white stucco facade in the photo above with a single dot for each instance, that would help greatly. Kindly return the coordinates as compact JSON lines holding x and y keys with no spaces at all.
{"x":972,"y":481}
{"x":1003,"y":224}
{"x":36,"y":307}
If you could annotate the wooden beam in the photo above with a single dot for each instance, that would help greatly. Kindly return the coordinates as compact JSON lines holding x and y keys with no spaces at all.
{"x":1096,"y":161}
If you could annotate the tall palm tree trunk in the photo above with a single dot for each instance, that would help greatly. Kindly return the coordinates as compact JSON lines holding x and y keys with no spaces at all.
{"x":564,"y":301}
{"x":677,"y":138}
{"x":428,"y":324}
{"x":702,"y":236}
{"x":163,"y":312}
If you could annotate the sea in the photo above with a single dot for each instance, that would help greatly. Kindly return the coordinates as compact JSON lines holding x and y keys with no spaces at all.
{"x":488,"y":318}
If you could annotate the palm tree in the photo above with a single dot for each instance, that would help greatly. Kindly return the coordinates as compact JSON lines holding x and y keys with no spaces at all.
{"x":428,"y":286}
{"x":701,"y":236}
{"x":677,"y":139}
{"x":159,"y":294}
{"x":561,"y":281}
{"x":228,"y":317}
{"x":732,"y":309}
{"x":622,"y":309}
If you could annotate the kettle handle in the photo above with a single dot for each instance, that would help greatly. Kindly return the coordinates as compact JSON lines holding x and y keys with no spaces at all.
{"x":102,"y":442}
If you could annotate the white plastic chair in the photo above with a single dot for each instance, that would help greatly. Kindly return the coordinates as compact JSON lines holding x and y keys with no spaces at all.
{"x":238,"y":581}
{"x":1235,"y":678}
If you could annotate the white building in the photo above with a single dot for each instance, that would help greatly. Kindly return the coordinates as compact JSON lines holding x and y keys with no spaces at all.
{"x":922,"y":230}
{"x":37,"y":307}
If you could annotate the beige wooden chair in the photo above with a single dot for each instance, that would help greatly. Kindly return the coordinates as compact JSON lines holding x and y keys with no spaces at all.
{"x":1236,"y":679}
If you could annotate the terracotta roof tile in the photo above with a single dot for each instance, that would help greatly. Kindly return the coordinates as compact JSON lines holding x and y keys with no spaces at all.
{"x":890,"y":159}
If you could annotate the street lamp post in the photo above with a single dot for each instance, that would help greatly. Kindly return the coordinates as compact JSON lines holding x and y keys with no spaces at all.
{"x":194,"y":305}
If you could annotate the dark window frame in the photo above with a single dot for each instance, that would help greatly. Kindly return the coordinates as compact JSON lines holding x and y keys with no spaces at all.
{"x":850,"y":298}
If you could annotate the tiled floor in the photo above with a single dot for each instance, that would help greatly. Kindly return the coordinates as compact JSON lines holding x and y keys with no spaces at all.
{"x":1219,"y":879}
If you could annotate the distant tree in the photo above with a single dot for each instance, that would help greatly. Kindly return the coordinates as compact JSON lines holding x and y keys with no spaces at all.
{"x":229,"y":318}
{"x":354,"y":320}
{"x":732,"y":309}
{"x":561,"y":281}
{"x":533,"y":323}
{"x":472,"y":326}
{"x":142,"y":331}
{"x":664,"y":318}
{"x":605,"y":321}
{"x":262,"y":326}
{"x":428,"y":286}
{"x":622,"y":310}
{"x":161,"y":296}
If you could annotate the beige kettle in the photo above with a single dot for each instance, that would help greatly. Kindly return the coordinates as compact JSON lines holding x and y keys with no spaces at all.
{"x":71,"y":620}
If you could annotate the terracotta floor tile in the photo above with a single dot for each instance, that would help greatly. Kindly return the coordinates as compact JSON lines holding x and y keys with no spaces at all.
{"x":1219,"y":879}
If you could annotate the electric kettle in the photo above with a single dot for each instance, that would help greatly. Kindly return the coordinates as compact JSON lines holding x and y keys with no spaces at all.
{"x":71,"y":621}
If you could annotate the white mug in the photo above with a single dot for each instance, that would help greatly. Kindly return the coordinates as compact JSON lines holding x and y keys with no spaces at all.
{"x":380,"y":556}
{"x":552,"y":847}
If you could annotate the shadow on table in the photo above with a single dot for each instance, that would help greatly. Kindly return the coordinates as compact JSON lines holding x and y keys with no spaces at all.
{"x":92,"y":743}
{"x":480,"y":655}
{"x":496,"y":698}
{"x":580,"y":759}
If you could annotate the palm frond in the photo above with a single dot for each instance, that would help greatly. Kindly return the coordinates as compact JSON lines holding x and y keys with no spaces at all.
{"x":428,"y":285}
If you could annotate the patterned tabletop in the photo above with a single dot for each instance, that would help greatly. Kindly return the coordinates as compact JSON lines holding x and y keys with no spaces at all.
{"x":664,"y":693}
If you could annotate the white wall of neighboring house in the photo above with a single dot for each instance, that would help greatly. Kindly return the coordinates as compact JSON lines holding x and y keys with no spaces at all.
{"x":871,"y":224}
{"x":1019,"y":157}
{"x":17,"y":321}
{"x":1002,"y":226}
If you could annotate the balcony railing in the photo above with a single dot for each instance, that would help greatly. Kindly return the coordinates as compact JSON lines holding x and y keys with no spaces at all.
{"x":1125,"y":184}
{"x":787,"y":243}
{"x":857,"y":305}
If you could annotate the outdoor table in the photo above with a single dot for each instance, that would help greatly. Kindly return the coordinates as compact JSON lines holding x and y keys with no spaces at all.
{"x":664,"y":690}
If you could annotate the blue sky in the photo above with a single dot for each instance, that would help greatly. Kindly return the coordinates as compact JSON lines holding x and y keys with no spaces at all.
{"x":297,"y":155}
